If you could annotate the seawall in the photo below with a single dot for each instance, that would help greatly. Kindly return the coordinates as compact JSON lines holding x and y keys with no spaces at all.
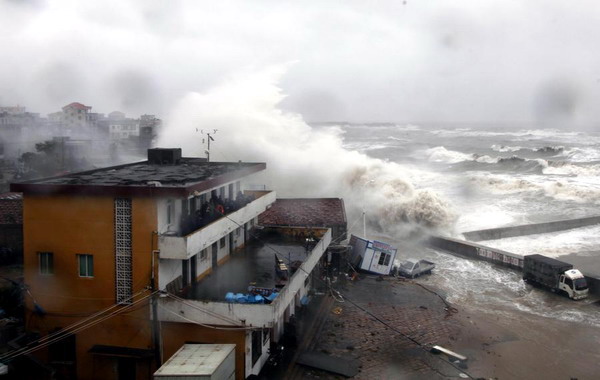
{"x":530,"y":229}
{"x":481,"y":252}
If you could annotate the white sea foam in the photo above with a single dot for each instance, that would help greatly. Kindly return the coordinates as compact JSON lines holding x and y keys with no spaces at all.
{"x":573,"y":170}
{"x":582,"y":154}
{"x":398,"y":139}
{"x":302,"y":161}
{"x":550,"y":187}
{"x":503,"y":148}
{"x":441,"y":154}
{"x":552,"y":244}
{"x":498,"y":290}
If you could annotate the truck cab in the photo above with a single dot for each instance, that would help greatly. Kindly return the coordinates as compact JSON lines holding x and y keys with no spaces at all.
{"x":573,"y":283}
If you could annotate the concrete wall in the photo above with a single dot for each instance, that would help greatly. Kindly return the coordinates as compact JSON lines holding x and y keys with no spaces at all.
{"x":478,"y":251}
{"x":498,"y":256}
{"x":530,"y":229}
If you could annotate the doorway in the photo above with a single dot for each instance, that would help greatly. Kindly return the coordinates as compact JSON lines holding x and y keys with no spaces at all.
{"x":215,"y":255}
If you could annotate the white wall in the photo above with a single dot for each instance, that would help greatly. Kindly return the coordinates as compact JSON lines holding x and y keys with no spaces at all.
{"x":168,"y":270}
{"x":254,"y":370}
{"x":161,"y":211}
{"x":202,"y":265}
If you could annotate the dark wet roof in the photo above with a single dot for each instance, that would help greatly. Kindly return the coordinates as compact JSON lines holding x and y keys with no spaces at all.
{"x":144,"y":178}
{"x":305,"y":212}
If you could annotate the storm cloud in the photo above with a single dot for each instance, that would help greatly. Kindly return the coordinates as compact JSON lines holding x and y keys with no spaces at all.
{"x":464,"y":61}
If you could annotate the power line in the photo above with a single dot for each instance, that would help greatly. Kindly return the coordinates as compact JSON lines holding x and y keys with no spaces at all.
{"x":366,"y":311}
{"x":73,"y":329}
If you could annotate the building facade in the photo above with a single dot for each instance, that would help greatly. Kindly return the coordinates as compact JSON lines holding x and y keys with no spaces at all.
{"x":100,"y":245}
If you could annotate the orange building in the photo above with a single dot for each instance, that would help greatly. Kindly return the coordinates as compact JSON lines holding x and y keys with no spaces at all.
{"x":98,"y":244}
{"x":126,"y":264}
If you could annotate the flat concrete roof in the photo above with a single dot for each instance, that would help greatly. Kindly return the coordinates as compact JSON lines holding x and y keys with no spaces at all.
{"x":253,"y":265}
{"x":143,"y":179}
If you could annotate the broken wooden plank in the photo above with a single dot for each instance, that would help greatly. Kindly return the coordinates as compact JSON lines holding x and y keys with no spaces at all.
{"x":452,"y":354}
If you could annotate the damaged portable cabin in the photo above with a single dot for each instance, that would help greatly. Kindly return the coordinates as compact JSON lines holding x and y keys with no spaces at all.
{"x":155,"y":245}
{"x":372,"y":256}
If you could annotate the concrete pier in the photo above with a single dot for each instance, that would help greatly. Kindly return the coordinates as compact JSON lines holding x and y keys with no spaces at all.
{"x":530,"y":229}
{"x":477,"y":251}
{"x":481,"y":252}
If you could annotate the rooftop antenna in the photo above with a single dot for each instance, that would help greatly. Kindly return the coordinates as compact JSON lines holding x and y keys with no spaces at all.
{"x":209,"y":138}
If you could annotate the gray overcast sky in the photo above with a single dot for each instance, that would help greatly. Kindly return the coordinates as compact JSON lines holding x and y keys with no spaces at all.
{"x":528,"y":60}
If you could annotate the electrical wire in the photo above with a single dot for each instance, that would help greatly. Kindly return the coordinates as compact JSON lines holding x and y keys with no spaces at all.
{"x":216,"y":315}
{"x":62,"y":335}
{"x":73,"y":329}
{"x":238,"y":328}
{"x":366,"y":311}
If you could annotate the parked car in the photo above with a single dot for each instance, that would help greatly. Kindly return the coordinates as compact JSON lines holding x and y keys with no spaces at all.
{"x":412,"y":268}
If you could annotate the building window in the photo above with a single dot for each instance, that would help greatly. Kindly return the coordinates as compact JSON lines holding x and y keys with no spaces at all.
{"x":169,"y":211}
{"x":222,"y":192}
{"x":204,"y":254}
{"x":86,"y":265}
{"x":384,"y":258}
{"x":238,"y":231}
{"x":256,"y":345}
{"x":387,"y":259}
{"x":46,"y":262}
{"x":222,"y":242}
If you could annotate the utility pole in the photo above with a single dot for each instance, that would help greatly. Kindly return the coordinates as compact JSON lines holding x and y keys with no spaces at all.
{"x":155,"y":323}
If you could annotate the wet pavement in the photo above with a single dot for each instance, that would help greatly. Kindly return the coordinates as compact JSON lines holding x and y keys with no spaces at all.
{"x":411,"y":320}
{"x":253,"y":265}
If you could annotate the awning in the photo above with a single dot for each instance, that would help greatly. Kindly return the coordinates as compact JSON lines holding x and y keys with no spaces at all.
{"x":124,"y":352}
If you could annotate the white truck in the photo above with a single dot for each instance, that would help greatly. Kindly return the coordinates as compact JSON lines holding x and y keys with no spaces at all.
{"x":556,"y":275}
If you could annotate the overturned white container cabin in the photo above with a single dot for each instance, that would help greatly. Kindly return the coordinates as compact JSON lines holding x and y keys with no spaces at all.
{"x":200,"y":362}
{"x":372,"y":256}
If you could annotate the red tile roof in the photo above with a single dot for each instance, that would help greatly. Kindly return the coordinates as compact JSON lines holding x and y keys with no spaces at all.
{"x":77,"y":106}
{"x":11,"y":208}
{"x":305,"y":212}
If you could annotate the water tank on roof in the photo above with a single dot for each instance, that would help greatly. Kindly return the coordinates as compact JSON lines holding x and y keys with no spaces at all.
{"x":164,"y":156}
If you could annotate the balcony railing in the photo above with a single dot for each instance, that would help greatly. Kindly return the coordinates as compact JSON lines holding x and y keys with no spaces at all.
{"x":212,"y":211}
{"x":206,"y":231}
{"x":234,"y":314}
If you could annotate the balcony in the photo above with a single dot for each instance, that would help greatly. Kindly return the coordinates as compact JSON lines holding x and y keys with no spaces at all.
{"x":204,"y":309}
{"x":184,"y":247}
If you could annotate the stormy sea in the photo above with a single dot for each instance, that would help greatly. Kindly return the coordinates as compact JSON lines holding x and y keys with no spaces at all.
{"x":492,"y":176}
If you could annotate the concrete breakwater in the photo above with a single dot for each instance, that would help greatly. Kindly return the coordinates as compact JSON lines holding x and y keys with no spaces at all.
{"x":481,"y":252}
{"x":530,"y":229}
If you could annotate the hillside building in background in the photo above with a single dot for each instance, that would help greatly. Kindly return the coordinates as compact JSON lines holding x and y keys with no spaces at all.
{"x":75,"y":115}
{"x":111,"y":240}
